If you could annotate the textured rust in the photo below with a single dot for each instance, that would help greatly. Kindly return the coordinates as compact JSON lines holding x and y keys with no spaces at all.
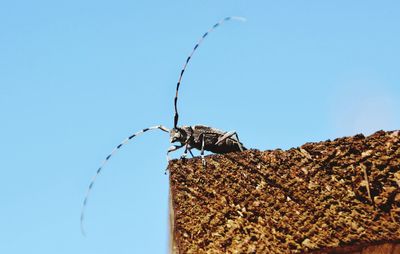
{"x":314,"y":198}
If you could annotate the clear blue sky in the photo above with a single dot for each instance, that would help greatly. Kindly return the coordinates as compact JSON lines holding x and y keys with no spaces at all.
{"x":77,"y":77}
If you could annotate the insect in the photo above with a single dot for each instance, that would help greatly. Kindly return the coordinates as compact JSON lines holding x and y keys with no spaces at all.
{"x":198,"y":137}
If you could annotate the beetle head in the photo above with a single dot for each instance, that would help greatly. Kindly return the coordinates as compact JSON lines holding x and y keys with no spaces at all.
{"x":177,"y":135}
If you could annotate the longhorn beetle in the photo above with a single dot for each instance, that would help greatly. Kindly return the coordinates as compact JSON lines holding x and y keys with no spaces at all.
{"x":199,"y":137}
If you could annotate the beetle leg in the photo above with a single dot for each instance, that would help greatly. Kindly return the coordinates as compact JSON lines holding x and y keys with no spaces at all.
{"x":190,"y":151}
{"x":202,"y":151}
{"x":239,"y":144}
{"x":171,"y":149}
{"x":225,"y":136}
{"x":229,"y":135}
{"x":187,"y":148}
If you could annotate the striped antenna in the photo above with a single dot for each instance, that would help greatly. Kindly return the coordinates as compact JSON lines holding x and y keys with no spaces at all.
{"x":105,"y":161}
{"x":190,"y":56}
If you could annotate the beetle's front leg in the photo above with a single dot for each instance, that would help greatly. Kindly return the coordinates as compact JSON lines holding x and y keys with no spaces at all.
{"x":171,"y":149}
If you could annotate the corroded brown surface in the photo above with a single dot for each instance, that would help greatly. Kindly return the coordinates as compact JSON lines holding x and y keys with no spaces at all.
{"x":318,"y":197}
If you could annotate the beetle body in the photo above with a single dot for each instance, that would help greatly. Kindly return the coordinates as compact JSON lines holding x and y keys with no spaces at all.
{"x":206,"y":138}
{"x":198,"y":137}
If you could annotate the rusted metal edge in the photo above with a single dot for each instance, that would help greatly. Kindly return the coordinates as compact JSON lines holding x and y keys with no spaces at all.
{"x":173,"y":246}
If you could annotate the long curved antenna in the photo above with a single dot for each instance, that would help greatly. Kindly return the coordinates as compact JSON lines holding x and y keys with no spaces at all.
{"x":190,"y":56}
{"x":105,"y":161}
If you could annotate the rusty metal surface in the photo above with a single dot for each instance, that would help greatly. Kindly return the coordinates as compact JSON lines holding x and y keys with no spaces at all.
{"x":317,"y":197}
